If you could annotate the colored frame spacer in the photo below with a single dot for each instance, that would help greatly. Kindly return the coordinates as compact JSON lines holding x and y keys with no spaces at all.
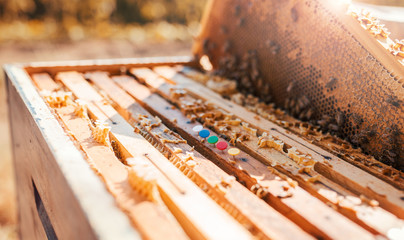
{"x":204,"y":133}
{"x":222,"y":145}
{"x":213,"y":139}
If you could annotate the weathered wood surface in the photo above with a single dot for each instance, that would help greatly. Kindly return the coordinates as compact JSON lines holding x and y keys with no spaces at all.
{"x":185,"y":200}
{"x":331,"y":144}
{"x":359,"y":214}
{"x":328,"y":165}
{"x":321,"y":223}
{"x":111,"y":65}
{"x":43,"y":136}
{"x":45,"y":156}
{"x":244,"y":206}
{"x":143,"y":213}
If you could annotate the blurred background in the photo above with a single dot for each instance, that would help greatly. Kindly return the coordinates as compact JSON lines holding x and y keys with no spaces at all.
{"x":50,"y":30}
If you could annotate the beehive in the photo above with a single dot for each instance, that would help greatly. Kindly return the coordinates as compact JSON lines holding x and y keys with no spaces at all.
{"x":313,"y":59}
{"x":121,"y":150}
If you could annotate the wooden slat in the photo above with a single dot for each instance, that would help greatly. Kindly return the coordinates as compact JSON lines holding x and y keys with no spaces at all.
{"x":143,"y":213}
{"x":184,"y":199}
{"x":322,"y":189}
{"x":44,"y":82}
{"x":263,"y":220}
{"x":318,"y":219}
{"x":46,"y":157}
{"x":331,"y":143}
{"x":111,"y":65}
{"x":328,"y":165}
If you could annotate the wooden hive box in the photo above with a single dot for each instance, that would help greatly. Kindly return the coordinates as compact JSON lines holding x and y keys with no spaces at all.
{"x":114,"y":149}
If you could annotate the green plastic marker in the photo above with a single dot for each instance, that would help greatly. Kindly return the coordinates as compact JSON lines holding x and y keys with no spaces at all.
{"x":213,"y":139}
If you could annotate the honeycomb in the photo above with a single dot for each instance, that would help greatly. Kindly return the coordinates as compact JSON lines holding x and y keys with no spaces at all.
{"x":315,"y":61}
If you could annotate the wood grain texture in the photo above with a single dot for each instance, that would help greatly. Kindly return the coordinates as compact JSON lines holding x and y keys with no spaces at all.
{"x":111,"y":65}
{"x":185,"y":200}
{"x":318,"y":220}
{"x":42,"y":134}
{"x":329,"y":165}
{"x":143,"y":213}
{"x":324,"y":189}
{"x":333,"y":144}
{"x":44,"y":154}
{"x":245,"y":206}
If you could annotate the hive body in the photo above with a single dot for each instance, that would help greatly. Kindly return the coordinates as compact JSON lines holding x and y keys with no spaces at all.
{"x":110,"y":149}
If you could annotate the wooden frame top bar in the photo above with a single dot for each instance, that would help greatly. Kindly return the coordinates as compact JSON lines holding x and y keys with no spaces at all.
{"x":111,"y":65}
{"x":91,"y":199}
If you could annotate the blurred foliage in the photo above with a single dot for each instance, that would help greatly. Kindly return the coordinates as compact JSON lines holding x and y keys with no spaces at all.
{"x":77,"y":19}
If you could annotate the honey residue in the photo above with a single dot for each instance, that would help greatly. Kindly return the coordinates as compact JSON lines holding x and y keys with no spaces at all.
{"x":57,"y":99}
{"x":101,"y":132}
{"x":142,"y":178}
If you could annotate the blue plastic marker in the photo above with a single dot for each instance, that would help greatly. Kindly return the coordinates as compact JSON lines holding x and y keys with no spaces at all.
{"x":204,"y":133}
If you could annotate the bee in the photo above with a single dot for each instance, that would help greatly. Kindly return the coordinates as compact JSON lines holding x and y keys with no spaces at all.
{"x":273,"y":46}
{"x":339,"y":118}
{"x":241,"y":22}
{"x":237,"y":10}
{"x":226,"y":46}
{"x":205,"y":45}
{"x":357,"y":119}
{"x":224,"y":30}
{"x":309,"y":113}
{"x":302,"y":115}
{"x":292,"y":104}
{"x":305,"y":101}
{"x":302,"y":102}
{"x":275,"y":49}
{"x":394,"y":102}
{"x":293,"y":13}
{"x":331,"y":83}
{"x":211,"y":46}
{"x":323,"y":122}
{"x":333,"y":127}
{"x":287,"y":102}
{"x":290,"y":87}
